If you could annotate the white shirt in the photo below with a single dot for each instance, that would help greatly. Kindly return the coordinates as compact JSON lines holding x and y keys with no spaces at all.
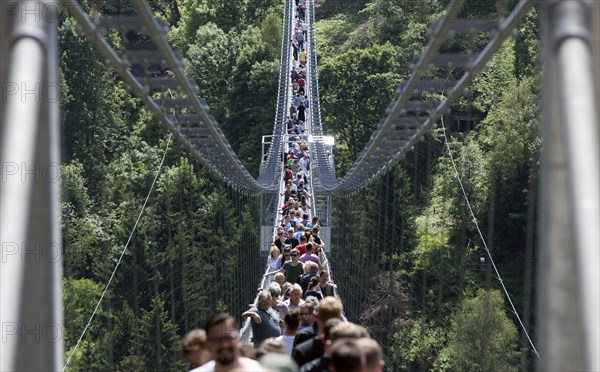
{"x":330,"y":160}
{"x":288,"y":343}
{"x":293,"y":307}
{"x":246,"y":365}
{"x":274,"y":263}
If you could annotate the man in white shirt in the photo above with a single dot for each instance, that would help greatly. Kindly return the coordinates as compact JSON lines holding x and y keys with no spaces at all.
{"x":295,"y":301}
{"x":224,"y":343}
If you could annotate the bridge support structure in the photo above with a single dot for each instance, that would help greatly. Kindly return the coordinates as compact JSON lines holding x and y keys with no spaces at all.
{"x":569,"y":244}
{"x":31,"y":310}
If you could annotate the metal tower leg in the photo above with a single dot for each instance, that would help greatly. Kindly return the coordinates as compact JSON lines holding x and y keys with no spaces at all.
{"x":569,"y":266}
{"x":31,"y":310}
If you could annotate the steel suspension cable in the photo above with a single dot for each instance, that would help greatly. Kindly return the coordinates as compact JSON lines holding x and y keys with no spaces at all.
{"x":112,"y":275}
{"x":483,"y":240}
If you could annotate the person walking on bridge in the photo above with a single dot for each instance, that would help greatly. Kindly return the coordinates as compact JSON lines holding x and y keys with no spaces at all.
{"x":223,"y":340}
{"x":301,"y":112}
{"x":292,"y":269}
{"x":266,"y":322}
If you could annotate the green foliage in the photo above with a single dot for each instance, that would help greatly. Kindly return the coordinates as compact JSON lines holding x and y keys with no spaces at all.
{"x":270,"y":32}
{"x":160,"y":343}
{"x":527,"y":50}
{"x":167,"y":282}
{"x":419,"y":345}
{"x":483,"y":338}
{"x":80,"y":298}
{"x":355,"y":86}
{"x":238,"y":76}
{"x":74,"y":188}
{"x":496,"y":78}
{"x":185,"y":260}
{"x":392,"y":18}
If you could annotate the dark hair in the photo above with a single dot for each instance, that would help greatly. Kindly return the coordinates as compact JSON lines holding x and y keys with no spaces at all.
{"x":292,"y":320}
{"x":347,"y":356}
{"x":329,"y":326}
{"x":313,"y":281}
{"x":219,"y":319}
{"x":193,"y":340}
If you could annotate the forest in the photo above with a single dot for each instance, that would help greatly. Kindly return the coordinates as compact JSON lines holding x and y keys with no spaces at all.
{"x":424,"y":292}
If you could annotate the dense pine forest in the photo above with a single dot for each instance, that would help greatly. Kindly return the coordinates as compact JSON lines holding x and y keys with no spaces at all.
{"x":408,"y":259}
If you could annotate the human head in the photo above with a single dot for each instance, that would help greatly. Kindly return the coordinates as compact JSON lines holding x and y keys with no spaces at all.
{"x":270,"y":345}
{"x":305,"y":268}
{"x":275,"y":290}
{"x":280,"y":278}
{"x":275,"y":252}
{"x":295,"y":255}
{"x":311,"y":267}
{"x":307,"y":310}
{"x":194,"y":348}
{"x":328,"y":328}
{"x":329,"y":308}
{"x":373,"y":354}
{"x":347,"y":330}
{"x":346,"y":356}
{"x":286,"y":290}
{"x":264,"y":299}
{"x":295,"y":294}
{"x":286,"y":257}
{"x":223,"y":338}
{"x":324,"y":276}
{"x":344,"y":331}
{"x":291,"y":321}
{"x":309,"y":248}
{"x":314,"y":281}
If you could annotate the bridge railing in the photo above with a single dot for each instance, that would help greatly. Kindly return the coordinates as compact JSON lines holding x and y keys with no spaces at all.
{"x":270,"y":171}
{"x":246,"y":331}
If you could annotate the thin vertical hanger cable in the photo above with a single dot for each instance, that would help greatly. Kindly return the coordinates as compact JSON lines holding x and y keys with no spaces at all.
{"x":474,"y":219}
{"x":122,"y":254}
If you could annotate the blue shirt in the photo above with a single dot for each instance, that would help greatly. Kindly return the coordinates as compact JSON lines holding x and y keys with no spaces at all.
{"x":268,"y":327}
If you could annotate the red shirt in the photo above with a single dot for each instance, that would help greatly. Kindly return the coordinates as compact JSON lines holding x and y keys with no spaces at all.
{"x":301,"y":82}
{"x":301,"y":248}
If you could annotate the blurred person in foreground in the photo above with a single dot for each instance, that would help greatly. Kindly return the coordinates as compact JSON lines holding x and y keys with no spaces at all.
{"x":373,"y":354}
{"x":193,"y":348}
{"x":223,"y":340}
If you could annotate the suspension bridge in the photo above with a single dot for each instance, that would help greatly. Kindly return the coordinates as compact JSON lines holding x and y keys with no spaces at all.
{"x":31,"y":292}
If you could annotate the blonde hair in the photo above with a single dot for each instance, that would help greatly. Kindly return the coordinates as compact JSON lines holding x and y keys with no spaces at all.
{"x":274,"y":249}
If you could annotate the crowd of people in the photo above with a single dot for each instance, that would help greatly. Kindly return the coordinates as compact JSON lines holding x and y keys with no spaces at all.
{"x":297,"y":322}
{"x":313,"y":337}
